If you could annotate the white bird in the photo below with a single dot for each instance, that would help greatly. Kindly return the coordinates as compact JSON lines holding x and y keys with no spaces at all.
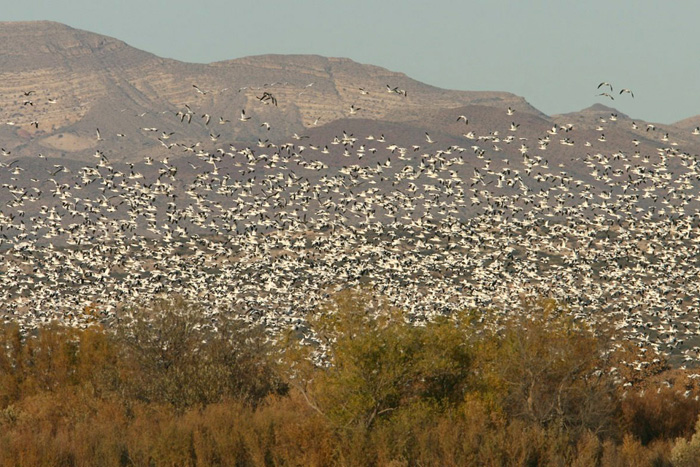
{"x":243,"y":118}
{"x":396,"y":90}
{"x":199,"y":90}
{"x":627,"y":91}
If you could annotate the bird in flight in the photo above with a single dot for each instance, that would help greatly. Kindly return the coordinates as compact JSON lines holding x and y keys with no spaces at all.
{"x":199,"y":90}
{"x":606,"y":95}
{"x":243,"y":118}
{"x":396,"y":90}
{"x":627,"y":91}
{"x":605,"y":83}
{"x":268,"y":98}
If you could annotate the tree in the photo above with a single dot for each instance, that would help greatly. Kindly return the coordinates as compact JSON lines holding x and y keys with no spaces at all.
{"x":545,"y":368}
{"x":174,"y":354}
{"x":376,"y":362}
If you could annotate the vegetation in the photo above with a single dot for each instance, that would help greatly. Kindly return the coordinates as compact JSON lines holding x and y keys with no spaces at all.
{"x":359,"y":386}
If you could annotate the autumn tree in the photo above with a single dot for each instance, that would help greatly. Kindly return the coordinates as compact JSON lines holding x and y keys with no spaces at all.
{"x":545,"y":368}
{"x":174,"y":353}
{"x":376,"y":363}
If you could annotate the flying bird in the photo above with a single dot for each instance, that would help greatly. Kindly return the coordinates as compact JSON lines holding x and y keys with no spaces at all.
{"x":396,"y":90}
{"x":627,"y":91}
{"x":199,"y":90}
{"x":267,"y":98}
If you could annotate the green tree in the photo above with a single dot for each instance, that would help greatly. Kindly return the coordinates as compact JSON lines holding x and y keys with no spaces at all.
{"x":376,"y":363}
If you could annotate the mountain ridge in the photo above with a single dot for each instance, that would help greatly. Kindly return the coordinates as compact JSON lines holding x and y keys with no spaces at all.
{"x":61,"y":84}
{"x":70,"y":72}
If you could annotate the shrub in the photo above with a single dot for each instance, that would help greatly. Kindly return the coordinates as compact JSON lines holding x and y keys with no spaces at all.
{"x":173,"y":354}
{"x":546,"y":369}
{"x":377,"y":363}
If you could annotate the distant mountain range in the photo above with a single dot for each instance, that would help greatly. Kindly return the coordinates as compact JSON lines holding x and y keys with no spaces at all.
{"x":60,"y":85}
{"x":76,"y":81}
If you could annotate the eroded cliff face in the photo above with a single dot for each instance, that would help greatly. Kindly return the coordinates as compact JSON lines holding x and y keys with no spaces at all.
{"x":59,"y":84}
{"x":68,"y":71}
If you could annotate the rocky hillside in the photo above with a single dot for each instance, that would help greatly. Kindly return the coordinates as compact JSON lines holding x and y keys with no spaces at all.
{"x":59,"y":85}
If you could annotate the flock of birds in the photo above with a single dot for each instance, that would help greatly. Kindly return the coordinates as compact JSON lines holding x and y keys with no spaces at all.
{"x":270,"y":231}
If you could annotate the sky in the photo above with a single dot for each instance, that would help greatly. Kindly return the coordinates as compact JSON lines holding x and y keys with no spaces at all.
{"x":552,"y":53}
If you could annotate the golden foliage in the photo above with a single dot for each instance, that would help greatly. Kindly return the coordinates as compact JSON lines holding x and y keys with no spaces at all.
{"x":177,"y":391}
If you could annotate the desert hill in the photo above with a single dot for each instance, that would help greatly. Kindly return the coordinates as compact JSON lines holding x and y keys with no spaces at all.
{"x":70,"y":97}
{"x":77,"y":81}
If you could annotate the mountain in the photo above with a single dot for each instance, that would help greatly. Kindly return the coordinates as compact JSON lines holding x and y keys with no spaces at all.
{"x":688,"y":123}
{"x":77,"y":81}
{"x":60,"y":85}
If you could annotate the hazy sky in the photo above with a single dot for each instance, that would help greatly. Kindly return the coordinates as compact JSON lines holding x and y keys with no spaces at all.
{"x":553,"y":53}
